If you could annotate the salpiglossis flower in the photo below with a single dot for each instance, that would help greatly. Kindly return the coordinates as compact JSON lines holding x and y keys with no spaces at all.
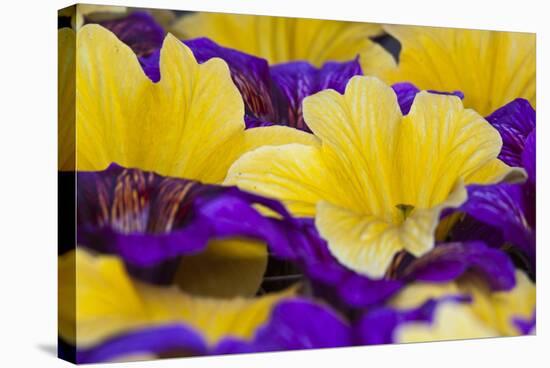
{"x":490,"y":68}
{"x":378,"y":181}
{"x":190,"y":124}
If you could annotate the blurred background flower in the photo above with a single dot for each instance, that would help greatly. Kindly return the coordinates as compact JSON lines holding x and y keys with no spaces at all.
{"x":491,"y":68}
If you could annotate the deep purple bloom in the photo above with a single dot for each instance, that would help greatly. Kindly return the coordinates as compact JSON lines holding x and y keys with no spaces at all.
{"x":138,"y":30}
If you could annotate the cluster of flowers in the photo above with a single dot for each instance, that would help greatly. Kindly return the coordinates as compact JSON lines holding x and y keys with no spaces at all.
{"x":251,"y":184}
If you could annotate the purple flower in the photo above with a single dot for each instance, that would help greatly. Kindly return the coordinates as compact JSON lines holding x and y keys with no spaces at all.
{"x":148,"y":219}
{"x":503,"y":215}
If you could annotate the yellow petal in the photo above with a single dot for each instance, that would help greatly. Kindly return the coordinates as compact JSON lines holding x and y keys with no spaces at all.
{"x":359,"y":132}
{"x":440,"y":143}
{"x":109,"y":302}
{"x":177,"y":127}
{"x":281,"y":40}
{"x":294,"y":173}
{"x":497,"y":171}
{"x":66,"y":68}
{"x":275,"y":136}
{"x":376,"y":61}
{"x":491,"y":68}
{"x":104,"y":300}
{"x":418,"y":230}
{"x":364,"y":243}
{"x":226,"y":268}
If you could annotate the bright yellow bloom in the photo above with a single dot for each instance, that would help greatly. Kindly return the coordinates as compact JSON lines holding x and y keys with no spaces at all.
{"x":190,"y":124}
{"x":489,"y":314}
{"x":378,"y":181}
{"x":491,"y":68}
{"x":280,"y":40}
{"x":109,"y":302}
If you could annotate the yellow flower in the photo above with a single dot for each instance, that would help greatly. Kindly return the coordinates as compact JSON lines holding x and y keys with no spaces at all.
{"x":190,"y":124}
{"x":108,"y":302}
{"x":378,"y":181}
{"x":280,"y":40}
{"x":491,"y":68}
{"x":489,"y":313}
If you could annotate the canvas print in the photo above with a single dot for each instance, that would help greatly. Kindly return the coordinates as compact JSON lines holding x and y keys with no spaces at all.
{"x":240,"y":183}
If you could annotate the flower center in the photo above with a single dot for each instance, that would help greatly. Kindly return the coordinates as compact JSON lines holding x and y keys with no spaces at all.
{"x":405,"y":209}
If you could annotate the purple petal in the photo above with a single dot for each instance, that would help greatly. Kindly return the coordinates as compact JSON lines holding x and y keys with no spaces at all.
{"x":449,"y":261}
{"x":508,"y":208}
{"x":172,"y":340}
{"x":138,"y":30}
{"x":253,"y":122}
{"x":150,"y":65}
{"x":294,"y":325}
{"x":406,"y":92}
{"x":514,"y":121}
{"x":148,"y":219}
{"x":526,"y":326}
{"x":297,"y":80}
{"x":529,"y":156}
